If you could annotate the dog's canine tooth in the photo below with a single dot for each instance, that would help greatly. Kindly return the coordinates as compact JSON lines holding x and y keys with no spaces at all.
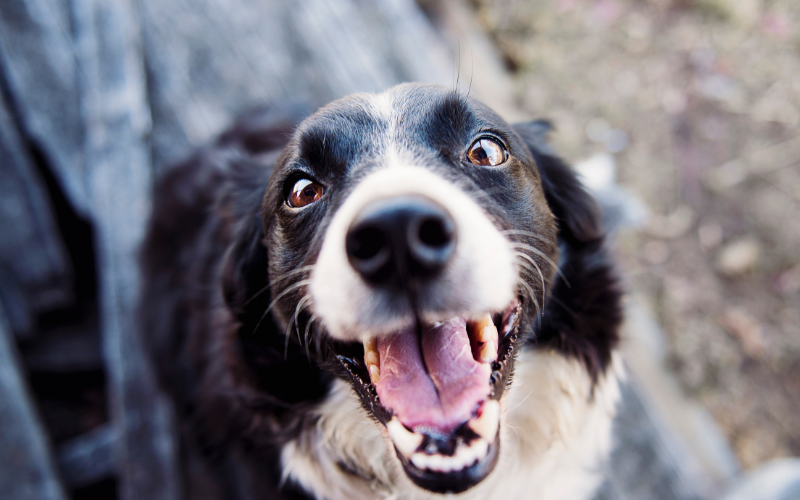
{"x":488,"y":352}
{"x":486,"y":425}
{"x":372,"y":359}
{"x":404,"y":440}
{"x":484,"y":339}
{"x":482,"y":329}
{"x":374,"y":374}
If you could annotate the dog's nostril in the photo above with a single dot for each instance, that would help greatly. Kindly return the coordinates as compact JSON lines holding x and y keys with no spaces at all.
{"x":400,"y":239}
{"x":366,"y":243}
{"x":434,"y":233}
{"x":368,"y":250}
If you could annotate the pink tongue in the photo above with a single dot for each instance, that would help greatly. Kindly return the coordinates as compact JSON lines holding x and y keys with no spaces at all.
{"x":443,"y":397}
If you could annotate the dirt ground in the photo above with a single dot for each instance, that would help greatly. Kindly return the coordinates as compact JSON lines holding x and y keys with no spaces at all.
{"x":699,"y":102}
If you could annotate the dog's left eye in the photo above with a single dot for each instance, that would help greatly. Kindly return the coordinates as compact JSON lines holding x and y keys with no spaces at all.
{"x":305,"y":192}
{"x":487,"y":152}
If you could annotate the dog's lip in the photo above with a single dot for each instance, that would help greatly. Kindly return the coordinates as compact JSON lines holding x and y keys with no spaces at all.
{"x":455,"y":481}
{"x":474,"y":471}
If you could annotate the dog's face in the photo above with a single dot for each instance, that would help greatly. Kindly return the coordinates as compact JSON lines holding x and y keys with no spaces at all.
{"x":409,"y":236}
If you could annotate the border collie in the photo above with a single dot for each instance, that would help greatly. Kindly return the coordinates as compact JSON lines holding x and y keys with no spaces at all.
{"x":398,"y":297}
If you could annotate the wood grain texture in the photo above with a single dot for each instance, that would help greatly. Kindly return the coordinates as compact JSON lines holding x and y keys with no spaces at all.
{"x":208,"y":61}
{"x":35,"y":271}
{"x":28,"y":471}
{"x":42,"y":77}
{"x":119,"y":182}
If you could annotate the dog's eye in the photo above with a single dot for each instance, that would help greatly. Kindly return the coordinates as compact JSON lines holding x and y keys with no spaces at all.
{"x":305,"y":192}
{"x":487,"y":152}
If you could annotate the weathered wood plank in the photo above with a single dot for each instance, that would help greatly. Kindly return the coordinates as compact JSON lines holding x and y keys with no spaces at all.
{"x":88,"y":458}
{"x":648,"y":462}
{"x":39,"y":69}
{"x":27,"y":471}
{"x":35,"y":272}
{"x":119,"y":182}
{"x":208,"y":61}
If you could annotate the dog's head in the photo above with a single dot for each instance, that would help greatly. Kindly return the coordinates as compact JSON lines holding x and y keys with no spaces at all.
{"x":412,"y":245}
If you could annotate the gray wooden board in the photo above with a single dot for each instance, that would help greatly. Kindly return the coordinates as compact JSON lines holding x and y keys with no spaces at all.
{"x":209,"y":60}
{"x":35,"y":271}
{"x":647,"y":462}
{"x":27,"y":471}
{"x":119,"y":182}
{"x":89,"y":458}
{"x":38,"y":65}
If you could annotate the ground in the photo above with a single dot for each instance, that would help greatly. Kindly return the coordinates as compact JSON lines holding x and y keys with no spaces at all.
{"x":699,"y":102}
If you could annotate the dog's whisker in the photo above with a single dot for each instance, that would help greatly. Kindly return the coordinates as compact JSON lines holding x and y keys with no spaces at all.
{"x":299,"y":270}
{"x":294,"y":322}
{"x":519,"y":441}
{"x":305,"y":336}
{"x":533,"y":297}
{"x":520,"y":403}
{"x":528,"y":267}
{"x":287,"y":290}
{"x":522,"y":232}
{"x":523,"y":246}
{"x":528,"y":270}
{"x":538,"y":269}
{"x":280,"y":278}
{"x":302,"y":304}
{"x":365,"y":422}
{"x":286,"y":342}
{"x":255,"y":295}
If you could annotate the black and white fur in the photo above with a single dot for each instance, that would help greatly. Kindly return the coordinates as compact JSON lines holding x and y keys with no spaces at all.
{"x":266,"y":409}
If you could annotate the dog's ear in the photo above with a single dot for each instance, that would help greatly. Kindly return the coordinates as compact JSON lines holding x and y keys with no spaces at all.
{"x":279,"y":372}
{"x":575,"y":210}
{"x":582,"y":315}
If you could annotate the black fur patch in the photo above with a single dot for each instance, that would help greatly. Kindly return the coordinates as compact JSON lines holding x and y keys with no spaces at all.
{"x":222,"y":248}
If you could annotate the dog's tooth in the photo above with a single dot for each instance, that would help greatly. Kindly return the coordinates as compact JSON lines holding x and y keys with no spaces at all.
{"x":480,"y":448}
{"x":479,"y":328}
{"x":486,"y":425}
{"x":372,"y":358}
{"x":488,"y":352}
{"x":370,"y":346}
{"x":406,"y":441}
{"x":436,"y":462}
{"x":419,"y":460}
{"x":374,"y":374}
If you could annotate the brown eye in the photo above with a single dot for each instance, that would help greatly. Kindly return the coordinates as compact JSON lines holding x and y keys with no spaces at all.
{"x":487,"y":152}
{"x":304,"y":192}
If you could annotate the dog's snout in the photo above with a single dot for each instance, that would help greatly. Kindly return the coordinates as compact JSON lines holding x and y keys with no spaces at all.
{"x":401,"y":239}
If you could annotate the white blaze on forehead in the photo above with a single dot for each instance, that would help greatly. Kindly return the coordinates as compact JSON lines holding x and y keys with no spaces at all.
{"x":481,"y":276}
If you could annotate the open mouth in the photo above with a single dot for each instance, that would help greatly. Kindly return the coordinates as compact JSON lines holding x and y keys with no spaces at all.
{"x":437,"y":389}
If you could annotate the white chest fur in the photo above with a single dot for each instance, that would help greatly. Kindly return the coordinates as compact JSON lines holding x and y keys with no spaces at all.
{"x":554,"y":436}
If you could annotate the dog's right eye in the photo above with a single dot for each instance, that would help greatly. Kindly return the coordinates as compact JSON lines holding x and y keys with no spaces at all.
{"x":305,"y":192}
{"x":487,"y":152}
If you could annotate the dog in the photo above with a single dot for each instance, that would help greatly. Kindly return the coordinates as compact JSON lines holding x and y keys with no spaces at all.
{"x":400,"y":296}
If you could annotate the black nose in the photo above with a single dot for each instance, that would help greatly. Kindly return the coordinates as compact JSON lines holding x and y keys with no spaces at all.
{"x":401,"y":239}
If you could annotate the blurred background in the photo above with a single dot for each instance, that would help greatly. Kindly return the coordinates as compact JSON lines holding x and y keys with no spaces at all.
{"x":682,"y":116}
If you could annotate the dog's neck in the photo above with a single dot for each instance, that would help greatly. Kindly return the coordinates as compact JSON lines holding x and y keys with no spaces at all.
{"x":555,"y":434}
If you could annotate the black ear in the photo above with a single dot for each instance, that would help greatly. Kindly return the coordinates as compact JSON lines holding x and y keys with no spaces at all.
{"x":280,"y":370}
{"x":582,"y":315}
{"x":576,"y":211}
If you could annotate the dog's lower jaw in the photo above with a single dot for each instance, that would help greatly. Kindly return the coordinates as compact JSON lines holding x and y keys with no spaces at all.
{"x":555,"y":434}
